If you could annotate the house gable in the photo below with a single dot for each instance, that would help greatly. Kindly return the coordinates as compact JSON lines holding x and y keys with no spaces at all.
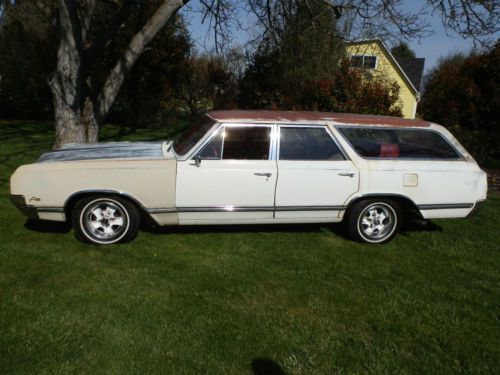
{"x":387,"y":66}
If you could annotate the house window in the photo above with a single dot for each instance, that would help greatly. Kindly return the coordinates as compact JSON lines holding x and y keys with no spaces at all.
{"x":364,"y":61}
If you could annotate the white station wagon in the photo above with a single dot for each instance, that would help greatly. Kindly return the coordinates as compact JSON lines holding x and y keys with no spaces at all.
{"x":249,"y":167}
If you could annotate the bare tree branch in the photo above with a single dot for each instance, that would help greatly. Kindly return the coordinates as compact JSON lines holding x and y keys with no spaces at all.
{"x":98,"y":45}
{"x":478,"y":20}
{"x":85,"y":12}
{"x":134,"y":50}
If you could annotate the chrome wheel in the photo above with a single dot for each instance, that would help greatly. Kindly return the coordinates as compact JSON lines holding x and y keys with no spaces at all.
{"x":377,"y":222}
{"x":104,"y":220}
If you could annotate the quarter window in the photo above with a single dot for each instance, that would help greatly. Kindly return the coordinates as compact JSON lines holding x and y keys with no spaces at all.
{"x":399,"y":143}
{"x":239,"y":143}
{"x":213,"y":149}
{"x":307,"y":144}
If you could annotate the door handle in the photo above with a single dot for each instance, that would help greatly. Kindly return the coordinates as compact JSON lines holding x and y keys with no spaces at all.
{"x":264,"y":174}
{"x":346,"y":174}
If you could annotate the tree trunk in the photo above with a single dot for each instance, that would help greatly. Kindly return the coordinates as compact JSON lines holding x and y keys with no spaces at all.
{"x":74,"y":122}
{"x":66,"y":82}
{"x":78,"y":112}
{"x":90,"y":121}
{"x":75,"y":125}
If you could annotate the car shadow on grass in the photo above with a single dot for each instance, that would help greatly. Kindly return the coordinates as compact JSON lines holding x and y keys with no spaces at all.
{"x":420,"y":225}
{"x":338,"y":229}
{"x":44,"y":226}
{"x":266,"y":366}
{"x":233,"y":228}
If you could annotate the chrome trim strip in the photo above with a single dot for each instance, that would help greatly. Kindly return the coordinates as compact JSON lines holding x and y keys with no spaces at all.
{"x":50,"y":209}
{"x":161,"y":210}
{"x":444,"y":206}
{"x":256,"y":209}
{"x":224,"y":209}
{"x":310,"y":208}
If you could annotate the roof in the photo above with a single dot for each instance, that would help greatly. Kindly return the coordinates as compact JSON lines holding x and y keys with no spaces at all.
{"x":414,"y":69}
{"x":303,"y":116}
{"x":410,"y":71}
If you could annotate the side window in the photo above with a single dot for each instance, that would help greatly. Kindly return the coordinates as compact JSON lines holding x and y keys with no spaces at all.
{"x":307,"y":144}
{"x":399,"y":143}
{"x":213,"y":149}
{"x":424,"y":144}
{"x":247,"y":142}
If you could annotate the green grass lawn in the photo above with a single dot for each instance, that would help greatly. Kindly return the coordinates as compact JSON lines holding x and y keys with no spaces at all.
{"x":297,"y":299}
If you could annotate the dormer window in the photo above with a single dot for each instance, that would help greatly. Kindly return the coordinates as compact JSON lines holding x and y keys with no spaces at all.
{"x":364,"y":61}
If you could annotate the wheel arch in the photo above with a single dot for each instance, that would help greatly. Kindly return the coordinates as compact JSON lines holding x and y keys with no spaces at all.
{"x":71,"y":201}
{"x":408,"y":207}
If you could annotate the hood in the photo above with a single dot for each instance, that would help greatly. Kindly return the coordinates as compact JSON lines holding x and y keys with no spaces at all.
{"x":110,"y":150}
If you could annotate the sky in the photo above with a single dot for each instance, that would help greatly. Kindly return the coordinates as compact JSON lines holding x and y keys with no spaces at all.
{"x":432,"y":48}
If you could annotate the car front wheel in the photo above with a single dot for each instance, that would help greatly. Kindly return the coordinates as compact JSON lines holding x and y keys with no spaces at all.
{"x":374,"y":220}
{"x":105,"y":220}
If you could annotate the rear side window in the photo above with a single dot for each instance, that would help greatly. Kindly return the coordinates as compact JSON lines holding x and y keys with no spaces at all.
{"x":399,"y":143}
{"x":307,"y":144}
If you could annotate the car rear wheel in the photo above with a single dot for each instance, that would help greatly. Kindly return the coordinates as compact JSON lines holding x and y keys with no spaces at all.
{"x":374,"y":220}
{"x":105,"y":220}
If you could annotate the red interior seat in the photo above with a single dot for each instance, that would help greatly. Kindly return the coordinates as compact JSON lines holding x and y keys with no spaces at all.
{"x":389,"y":150}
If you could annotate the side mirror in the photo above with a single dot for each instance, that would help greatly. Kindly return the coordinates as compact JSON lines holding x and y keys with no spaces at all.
{"x":197,"y":160}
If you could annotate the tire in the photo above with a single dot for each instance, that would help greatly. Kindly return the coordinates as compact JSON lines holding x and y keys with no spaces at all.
{"x":102,"y":220}
{"x":374,"y":220}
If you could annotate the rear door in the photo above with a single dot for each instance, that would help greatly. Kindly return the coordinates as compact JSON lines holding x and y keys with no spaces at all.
{"x":315,"y":178}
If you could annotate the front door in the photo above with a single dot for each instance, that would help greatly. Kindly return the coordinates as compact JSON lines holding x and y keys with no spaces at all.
{"x":233,"y":182}
{"x":315,"y":178}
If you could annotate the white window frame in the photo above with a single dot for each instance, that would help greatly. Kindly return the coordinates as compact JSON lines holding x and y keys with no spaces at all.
{"x":363,"y":63}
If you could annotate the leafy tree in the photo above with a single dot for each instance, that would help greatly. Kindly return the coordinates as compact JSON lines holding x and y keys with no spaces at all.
{"x":402,"y":49}
{"x":463,"y":93}
{"x":204,"y":83}
{"x":349,"y":91}
{"x":295,"y":52}
{"x":25,"y":61}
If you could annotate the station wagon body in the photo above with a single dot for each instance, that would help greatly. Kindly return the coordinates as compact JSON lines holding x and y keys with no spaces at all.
{"x":249,"y":167}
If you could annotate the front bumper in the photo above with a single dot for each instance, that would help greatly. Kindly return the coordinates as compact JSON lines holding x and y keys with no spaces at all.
{"x":20,"y":202}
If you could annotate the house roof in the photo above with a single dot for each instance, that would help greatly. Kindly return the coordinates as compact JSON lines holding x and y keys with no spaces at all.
{"x":411,"y":69}
{"x":414,"y":69}
{"x":304,"y":116}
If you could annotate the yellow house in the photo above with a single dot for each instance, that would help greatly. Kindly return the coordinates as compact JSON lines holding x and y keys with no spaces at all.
{"x":374,"y":57}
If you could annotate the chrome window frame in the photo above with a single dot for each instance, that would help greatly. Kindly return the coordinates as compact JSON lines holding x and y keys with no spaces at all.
{"x":378,"y":127}
{"x":208,"y":140}
{"x":191,"y":153}
{"x":220,"y":126}
{"x":305,"y":125}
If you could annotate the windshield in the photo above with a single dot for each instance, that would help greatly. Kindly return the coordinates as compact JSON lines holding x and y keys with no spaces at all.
{"x":189,"y":137}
